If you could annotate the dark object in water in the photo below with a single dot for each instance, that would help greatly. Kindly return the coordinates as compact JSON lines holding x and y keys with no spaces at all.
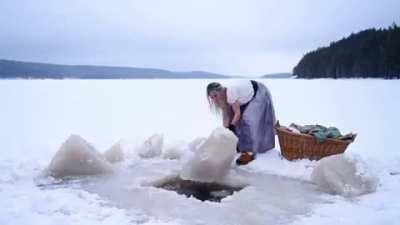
{"x":203,"y":191}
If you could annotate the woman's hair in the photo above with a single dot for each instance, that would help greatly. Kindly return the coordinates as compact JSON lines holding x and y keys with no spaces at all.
{"x":213,"y":86}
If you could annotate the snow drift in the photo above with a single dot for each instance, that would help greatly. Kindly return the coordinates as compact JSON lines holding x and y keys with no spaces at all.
{"x":152,"y":147}
{"x":175,"y":150}
{"x":115,"y":153}
{"x":196,"y":143}
{"x":212,"y":161}
{"x":77,"y":157}
{"x":344,"y":176}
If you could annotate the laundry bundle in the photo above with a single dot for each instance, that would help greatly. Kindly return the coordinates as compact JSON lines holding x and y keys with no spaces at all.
{"x":321,"y":133}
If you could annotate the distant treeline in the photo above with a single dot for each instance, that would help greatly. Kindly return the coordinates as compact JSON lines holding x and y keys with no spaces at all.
{"x":370,"y":53}
{"x":28,"y":70}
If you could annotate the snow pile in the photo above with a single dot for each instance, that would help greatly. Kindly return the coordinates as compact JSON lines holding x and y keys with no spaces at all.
{"x":115,"y":153}
{"x":152,"y":147}
{"x":196,"y":143}
{"x":212,"y":161}
{"x":77,"y":157}
{"x":344,"y":176}
{"x":175,"y":151}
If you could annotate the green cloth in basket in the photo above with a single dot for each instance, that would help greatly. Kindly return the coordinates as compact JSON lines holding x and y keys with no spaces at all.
{"x":320,"y":132}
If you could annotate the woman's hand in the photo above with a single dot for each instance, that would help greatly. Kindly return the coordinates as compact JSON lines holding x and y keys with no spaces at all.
{"x":231,"y":127}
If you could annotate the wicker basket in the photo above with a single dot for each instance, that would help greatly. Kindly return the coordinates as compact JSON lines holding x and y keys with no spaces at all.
{"x":299,"y":146}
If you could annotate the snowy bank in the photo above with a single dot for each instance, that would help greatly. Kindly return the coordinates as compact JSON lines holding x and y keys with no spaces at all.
{"x":343,"y":175}
{"x":77,"y":157}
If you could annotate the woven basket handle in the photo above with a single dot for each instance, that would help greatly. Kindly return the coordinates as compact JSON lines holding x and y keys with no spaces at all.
{"x":277,"y":124}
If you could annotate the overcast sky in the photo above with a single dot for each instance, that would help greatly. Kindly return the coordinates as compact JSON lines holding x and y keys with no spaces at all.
{"x":251,"y":37}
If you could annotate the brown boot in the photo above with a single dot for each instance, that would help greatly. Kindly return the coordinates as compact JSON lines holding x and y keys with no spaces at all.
{"x":245,"y":158}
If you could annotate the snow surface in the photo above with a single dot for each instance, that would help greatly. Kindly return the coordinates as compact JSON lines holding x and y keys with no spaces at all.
{"x":38,"y":116}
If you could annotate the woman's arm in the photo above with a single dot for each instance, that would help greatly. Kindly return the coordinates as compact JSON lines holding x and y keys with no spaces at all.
{"x":226,"y":115}
{"x":236,"y":113}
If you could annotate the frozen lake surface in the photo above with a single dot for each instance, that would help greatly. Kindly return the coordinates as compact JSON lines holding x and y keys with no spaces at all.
{"x":37,"y":116}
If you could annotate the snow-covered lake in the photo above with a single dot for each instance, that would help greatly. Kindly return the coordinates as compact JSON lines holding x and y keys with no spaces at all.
{"x":37,"y":116}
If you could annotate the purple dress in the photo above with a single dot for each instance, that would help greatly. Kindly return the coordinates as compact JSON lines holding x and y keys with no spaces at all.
{"x":255,"y":129}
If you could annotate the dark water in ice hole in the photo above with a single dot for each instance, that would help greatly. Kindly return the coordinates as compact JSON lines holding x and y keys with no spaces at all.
{"x":213,"y":192}
{"x":202,"y":191}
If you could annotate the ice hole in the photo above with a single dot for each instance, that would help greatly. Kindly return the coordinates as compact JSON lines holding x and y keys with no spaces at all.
{"x":202,"y":191}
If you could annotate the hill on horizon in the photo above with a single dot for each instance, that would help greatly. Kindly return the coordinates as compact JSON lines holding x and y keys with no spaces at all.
{"x":33,"y":70}
{"x":277,"y":75}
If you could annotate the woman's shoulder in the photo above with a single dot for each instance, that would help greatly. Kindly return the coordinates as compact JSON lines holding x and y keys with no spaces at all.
{"x":240,"y":90}
{"x":238,"y":84}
